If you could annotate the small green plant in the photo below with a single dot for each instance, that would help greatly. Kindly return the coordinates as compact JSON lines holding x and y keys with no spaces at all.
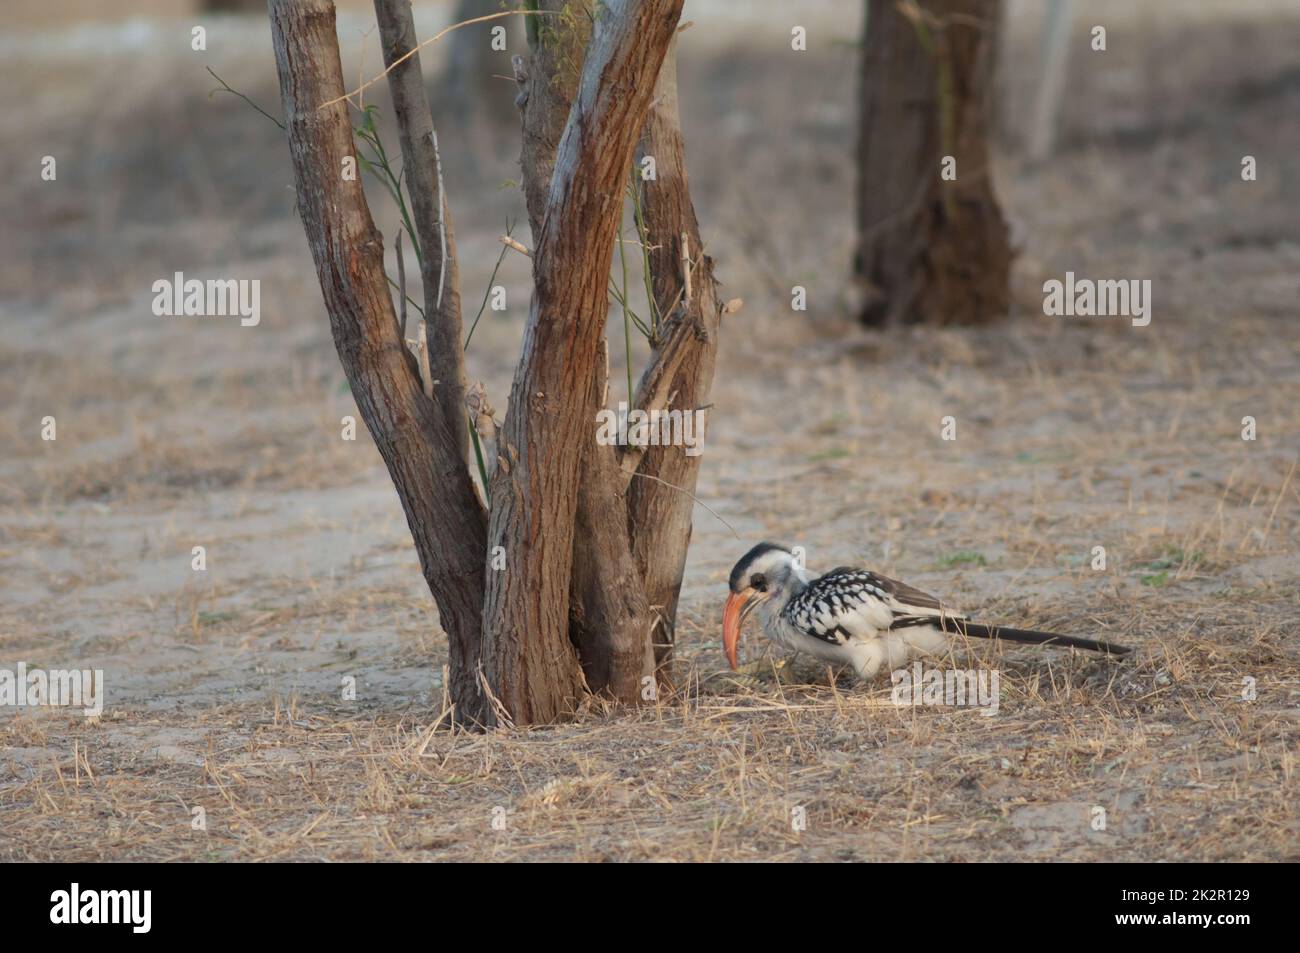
{"x":1172,"y":557}
{"x":619,"y":290}
{"x":834,"y":453}
{"x":964,"y":557}
{"x":638,"y":219}
{"x":378,"y":165}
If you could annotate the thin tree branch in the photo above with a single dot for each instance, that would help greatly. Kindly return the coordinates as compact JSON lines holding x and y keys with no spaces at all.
{"x":433,"y":39}
{"x":401,"y":284}
{"x":433,"y":485}
{"x":227,"y":88}
{"x":431,"y":213}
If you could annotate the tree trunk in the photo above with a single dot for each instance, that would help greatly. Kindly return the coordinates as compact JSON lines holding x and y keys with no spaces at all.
{"x":661,"y":500}
{"x":569,"y":612}
{"x":431,"y":214}
{"x":232,"y":6}
{"x":557,"y":47}
{"x":528,"y":655}
{"x":609,"y":619}
{"x":930,"y":250}
{"x":418,"y":445}
{"x":1053,"y":68}
{"x":475,"y":85}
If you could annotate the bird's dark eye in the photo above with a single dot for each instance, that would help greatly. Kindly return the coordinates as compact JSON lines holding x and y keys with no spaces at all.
{"x":758,"y":581}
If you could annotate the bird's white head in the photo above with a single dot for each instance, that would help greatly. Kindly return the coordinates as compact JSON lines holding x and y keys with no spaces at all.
{"x":765,"y":573}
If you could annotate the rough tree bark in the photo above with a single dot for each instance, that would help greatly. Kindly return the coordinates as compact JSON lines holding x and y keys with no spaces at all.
{"x":929,"y":250}
{"x":661,"y":498}
{"x":419,"y":447}
{"x":548,"y":85}
{"x":531,"y":662}
{"x":632,"y":528}
{"x":609,"y":618}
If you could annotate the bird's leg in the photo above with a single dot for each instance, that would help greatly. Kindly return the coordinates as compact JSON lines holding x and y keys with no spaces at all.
{"x":868,"y":661}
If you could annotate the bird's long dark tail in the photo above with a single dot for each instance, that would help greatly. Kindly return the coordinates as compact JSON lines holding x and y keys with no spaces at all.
{"x":1029,"y":636}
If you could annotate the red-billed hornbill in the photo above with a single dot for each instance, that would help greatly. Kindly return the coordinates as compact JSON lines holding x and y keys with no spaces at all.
{"x":854,"y":617}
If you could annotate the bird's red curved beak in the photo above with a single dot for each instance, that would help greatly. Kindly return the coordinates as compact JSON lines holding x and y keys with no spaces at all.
{"x":733,"y":617}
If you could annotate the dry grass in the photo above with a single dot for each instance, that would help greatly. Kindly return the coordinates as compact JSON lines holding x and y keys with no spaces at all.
{"x":1182,"y":767}
{"x":225,"y":687}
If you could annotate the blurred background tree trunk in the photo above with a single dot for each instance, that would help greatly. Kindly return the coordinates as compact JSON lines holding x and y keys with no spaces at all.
{"x":476,"y":85}
{"x":233,"y":6}
{"x":932,"y":242}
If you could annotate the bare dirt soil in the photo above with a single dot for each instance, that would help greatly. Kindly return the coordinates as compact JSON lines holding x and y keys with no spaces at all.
{"x":225,"y":687}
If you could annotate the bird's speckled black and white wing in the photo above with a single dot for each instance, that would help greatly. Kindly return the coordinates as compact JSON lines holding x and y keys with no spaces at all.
{"x":847,"y":603}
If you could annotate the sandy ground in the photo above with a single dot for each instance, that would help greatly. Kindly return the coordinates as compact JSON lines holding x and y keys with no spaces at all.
{"x":224,"y":687}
